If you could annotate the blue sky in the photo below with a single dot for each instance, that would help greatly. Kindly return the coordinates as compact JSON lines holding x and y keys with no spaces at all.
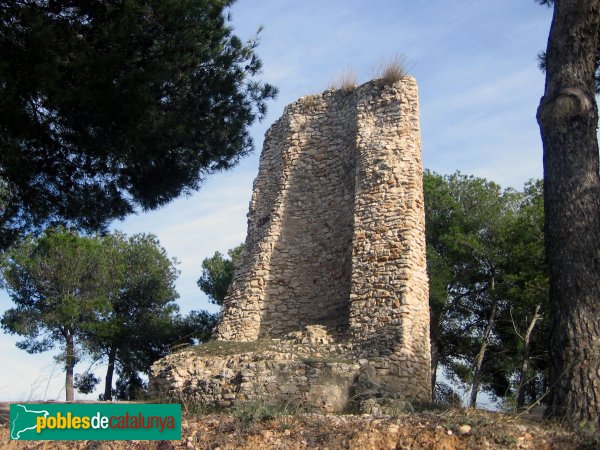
{"x":475,"y":64}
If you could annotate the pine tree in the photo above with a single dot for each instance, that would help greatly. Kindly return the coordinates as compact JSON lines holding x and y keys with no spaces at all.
{"x":111,"y":106}
{"x":568,"y":119}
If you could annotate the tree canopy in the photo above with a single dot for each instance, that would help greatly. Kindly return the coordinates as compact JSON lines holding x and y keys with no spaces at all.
{"x":132,"y":333}
{"x":217,"y":273}
{"x":61,"y":284}
{"x":108,"y":106}
{"x":488,"y":280}
{"x":108,"y":297}
{"x":143,"y":322}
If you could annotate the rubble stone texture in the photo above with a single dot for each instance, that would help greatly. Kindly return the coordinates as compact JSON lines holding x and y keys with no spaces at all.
{"x":336,"y":234}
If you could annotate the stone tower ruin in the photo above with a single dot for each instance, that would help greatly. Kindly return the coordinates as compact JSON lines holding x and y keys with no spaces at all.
{"x":336,"y":236}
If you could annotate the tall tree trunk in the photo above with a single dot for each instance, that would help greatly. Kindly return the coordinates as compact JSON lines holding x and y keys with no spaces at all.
{"x":110,"y":370}
{"x":481,"y":354}
{"x":69,"y":366}
{"x":533,"y":392}
{"x":434,"y":337}
{"x":568,"y":118}
{"x":525,"y":363}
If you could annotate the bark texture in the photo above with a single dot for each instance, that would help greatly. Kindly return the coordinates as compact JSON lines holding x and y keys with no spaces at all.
{"x":481,"y":354}
{"x":525,"y":363}
{"x":434,"y":334}
{"x":69,"y":366}
{"x":568,"y":118}
{"x":110,"y":370}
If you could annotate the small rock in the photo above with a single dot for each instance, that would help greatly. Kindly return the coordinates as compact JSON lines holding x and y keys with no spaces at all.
{"x":464,"y":429}
{"x":449,"y":432}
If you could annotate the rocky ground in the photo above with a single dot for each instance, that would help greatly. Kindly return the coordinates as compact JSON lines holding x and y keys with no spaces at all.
{"x":253,"y":428}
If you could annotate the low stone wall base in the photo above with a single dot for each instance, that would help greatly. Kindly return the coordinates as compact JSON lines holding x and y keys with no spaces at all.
{"x":306,"y":369}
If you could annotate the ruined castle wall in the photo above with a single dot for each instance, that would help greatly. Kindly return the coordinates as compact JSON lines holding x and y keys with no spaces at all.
{"x":311,"y":258}
{"x":336,"y":231}
{"x":389,"y":309}
{"x":296,"y":270}
{"x":334,"y":260}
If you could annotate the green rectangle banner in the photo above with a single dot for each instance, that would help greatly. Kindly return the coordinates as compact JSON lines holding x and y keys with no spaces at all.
{"x":95,"y":421}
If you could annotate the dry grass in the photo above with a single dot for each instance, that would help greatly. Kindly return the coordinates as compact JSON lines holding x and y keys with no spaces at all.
{"x":346,"y":81}
{"x":311,"y":101}
{"x":226,"y":348}
{"x":393,"y":70}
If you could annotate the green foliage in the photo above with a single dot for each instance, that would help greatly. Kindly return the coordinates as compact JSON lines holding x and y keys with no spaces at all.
{"x":131,"y":333}
{"x":143,"y":322}
{"x":527,"y":288}
{"x":8,"y":209}
{"x":195,"y":327}
{"x":174,"y":331}
{"x":61,"y":284}
{"x":445,"y":396}
{"x":130,"y":386}
{"x":250,"y":413}
{"x":217,"y":273}
{"x":110,"y":297}
{"x":108,"y":106}
{"x":485,"y":251}
{"x":86,"y":382}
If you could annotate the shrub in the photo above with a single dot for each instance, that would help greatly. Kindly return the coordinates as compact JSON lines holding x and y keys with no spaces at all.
{"x":392,"y":71}
{"x":345,"y":81}
{"x":311,"y":101}
{"x":250,"y":413}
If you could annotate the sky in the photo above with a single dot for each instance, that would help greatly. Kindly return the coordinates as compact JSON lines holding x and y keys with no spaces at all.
{"x":475,"y":63}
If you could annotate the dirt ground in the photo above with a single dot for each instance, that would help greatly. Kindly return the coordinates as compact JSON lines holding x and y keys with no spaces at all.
{"x":445,"y":430}
{"x":4,"y":412}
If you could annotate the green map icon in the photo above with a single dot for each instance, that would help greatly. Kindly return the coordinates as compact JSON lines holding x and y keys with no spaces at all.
{"x":95,"y":421}
{"x":24,"y":420}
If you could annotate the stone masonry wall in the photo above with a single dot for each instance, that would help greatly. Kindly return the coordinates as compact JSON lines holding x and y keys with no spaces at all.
{"x":296,"y":270}
{"x":389,"y":297}
{"x":336,"y":231}
{"x":305,"y":369}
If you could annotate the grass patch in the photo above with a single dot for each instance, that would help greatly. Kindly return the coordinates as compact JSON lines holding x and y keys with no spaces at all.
{"x":226,"y":348}
{"x":254,"y":412}
{"x":345,"y":81}
{"x":310,"y":101}
{"x":190,"y":407}
{"x":193,"y":408}
{"x":230,"y":348}
{"x":393,"y":70}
